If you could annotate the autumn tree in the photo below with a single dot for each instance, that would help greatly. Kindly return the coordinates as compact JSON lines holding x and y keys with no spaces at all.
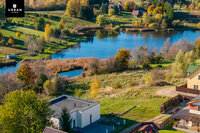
{"x":25,"y":74}
{"x":24,"y":112}
{"x":122,"y":58}
{"x":73,"y":7}
{"x":197,"y":47}
{"x":130,"y":6}
{"x":150,"y":9}
{"x":136,"y":24}
{"x":182,"y":61}
{"x":94,"y":87}
{"x":52,"y":86}
{"x":145,"y":18}
{"x":18,"y":34}
{"x":65,"y":120}
{"x":11,"y":41}
{"x":48,"y":32}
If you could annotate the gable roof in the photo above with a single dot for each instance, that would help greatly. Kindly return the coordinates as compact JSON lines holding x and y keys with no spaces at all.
{"x":192,"y":68}
{"x":52,"y":130}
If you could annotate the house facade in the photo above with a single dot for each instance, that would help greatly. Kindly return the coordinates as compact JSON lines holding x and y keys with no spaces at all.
{"x":82,"y":112}
{"x":189,"y":117}
{"x":193,"y":80}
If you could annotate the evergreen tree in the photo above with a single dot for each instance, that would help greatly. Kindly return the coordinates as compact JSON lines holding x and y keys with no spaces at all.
{"x":65,"y":120}
{"x":168,"y":9}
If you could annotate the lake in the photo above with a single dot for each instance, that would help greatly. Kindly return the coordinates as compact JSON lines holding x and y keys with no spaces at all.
{"x":105,"y":44}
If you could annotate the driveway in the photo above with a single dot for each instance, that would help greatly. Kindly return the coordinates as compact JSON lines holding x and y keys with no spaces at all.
{"x":96,"y":127}
{"x":171,"y":92}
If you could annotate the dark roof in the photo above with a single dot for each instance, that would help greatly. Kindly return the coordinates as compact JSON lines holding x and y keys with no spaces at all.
{"x":148,"y":128}
{"x":71,"y":103}
{"x":186,"y":115}
{"x":52,"y":130}
{"x":135,"y":12}
{"x":196,"y":98}
{"x":192,"y":68}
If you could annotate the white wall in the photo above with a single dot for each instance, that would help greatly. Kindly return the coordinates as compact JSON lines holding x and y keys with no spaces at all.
{"x":194,"y":112}
{"x":94,"y":111}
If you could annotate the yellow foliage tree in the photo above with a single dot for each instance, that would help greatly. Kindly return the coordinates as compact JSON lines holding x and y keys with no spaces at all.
{"x":48,"y":31}
{"x":150,"y":9}
{"x":198,"y":25}
{"x":94,"y":87}
{"x":158,"y":17}
{"x":18,"y":34}
{"x":136,"y":24}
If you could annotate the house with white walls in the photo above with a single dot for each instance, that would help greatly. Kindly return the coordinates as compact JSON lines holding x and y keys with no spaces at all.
{"x":83,"y":112}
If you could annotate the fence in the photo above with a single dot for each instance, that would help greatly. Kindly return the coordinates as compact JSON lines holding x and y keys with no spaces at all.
{"x":184,"y":88}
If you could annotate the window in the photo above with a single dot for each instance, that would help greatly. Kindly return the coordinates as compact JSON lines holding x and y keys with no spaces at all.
{"x":199,"y":77}
{"x":90,"y":119}
{"x":74,"y":123}
{"x":196,"y":87}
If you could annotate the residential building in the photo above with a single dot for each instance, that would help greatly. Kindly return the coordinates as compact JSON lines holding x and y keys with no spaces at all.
{"x":193,"y":81}
{"x":83,"y":112}
{"x":189,"y":117}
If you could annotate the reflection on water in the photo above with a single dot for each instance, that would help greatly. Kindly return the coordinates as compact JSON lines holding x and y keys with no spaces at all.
{"x":103,"y":44}
{"x":106,"y":43}
{"x":72,"y":73}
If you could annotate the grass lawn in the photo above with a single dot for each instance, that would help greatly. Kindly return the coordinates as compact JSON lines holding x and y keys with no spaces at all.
{"x":169,"y":129}
{"x":10,"y":51}
{"x":119,"y":100}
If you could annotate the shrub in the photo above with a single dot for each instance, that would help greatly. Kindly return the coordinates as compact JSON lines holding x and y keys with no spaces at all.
{"x":176,"y":23}
{"x":198,"y":25}
{"x":152,"y":25}
{"x":131,"y":84}
{"x":111,"y":12}
{"x":117,"y":85}
{"x":78,"y":92}
{"x":116,"y":28}
{"x":101,"y":20}
{"x":18,"y":34}
{"x":1,"y":34}
{"x":157,"y":74}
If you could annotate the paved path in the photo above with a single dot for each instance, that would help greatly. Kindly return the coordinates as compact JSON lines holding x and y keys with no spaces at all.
{"x":171,"y":92}
{"x":129,"y":129}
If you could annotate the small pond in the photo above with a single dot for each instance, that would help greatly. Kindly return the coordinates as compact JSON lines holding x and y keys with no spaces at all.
{"x":71,"y":74}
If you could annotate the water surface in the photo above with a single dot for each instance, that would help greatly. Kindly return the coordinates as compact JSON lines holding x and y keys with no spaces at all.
{"x":105,"y":44}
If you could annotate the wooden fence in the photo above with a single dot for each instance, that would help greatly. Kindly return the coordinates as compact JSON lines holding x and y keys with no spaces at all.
{"x":183,"y":88}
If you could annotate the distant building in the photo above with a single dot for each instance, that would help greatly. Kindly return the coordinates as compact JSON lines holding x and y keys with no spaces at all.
{"x":83,"y":112}
{"x":11,"y":57}
{"x":137,"y":13}
{"x":52,"y":130}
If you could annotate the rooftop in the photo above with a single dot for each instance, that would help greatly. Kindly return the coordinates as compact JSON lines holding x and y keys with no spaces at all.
{"x":192,"y":68}
{"x":71,"y":103}
{"x":52,"y":130}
